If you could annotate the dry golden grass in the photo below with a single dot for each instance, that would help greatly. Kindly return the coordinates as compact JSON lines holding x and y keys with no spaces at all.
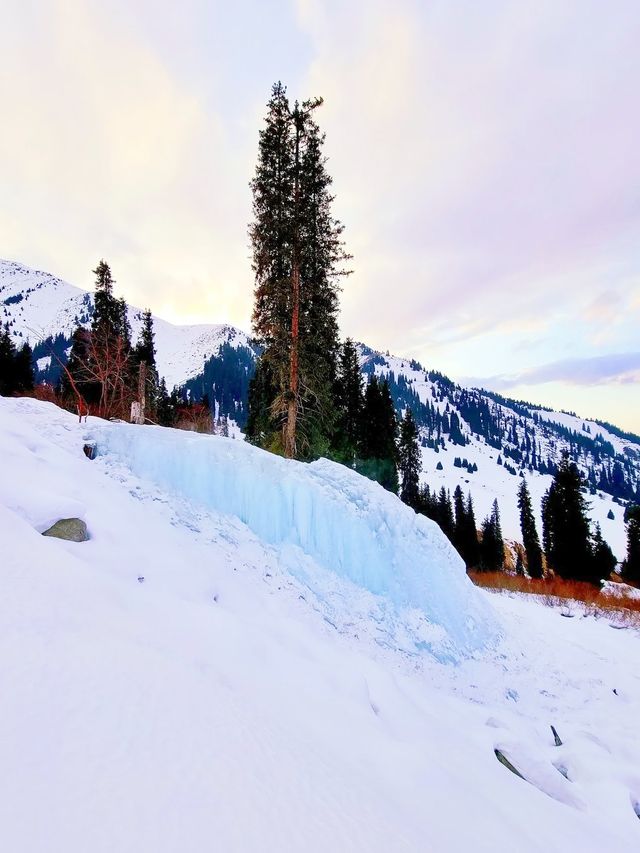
{"x":555,"y":592}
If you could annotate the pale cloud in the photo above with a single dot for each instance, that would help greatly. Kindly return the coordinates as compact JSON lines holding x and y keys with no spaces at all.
{"x":107,"y":154}
{"x":507,"y":154}
{"x":613,"y":368}
{"x":604,"y":307}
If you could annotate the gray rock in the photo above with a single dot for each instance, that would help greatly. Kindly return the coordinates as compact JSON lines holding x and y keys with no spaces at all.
{"x":72,"y":529}
{"x":502,"y":758}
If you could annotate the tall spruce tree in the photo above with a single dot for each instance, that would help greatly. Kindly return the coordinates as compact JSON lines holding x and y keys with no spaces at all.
{"x":465,"y":536}
{"x":122,"y":328}
{"x":492,"y":545}
{"x":460,"y":517}
{"x":602,"y":556}
{"x":106,"y":312}
{"x":428,"y":503}
{"x":76,"y":381}
{"x":445,"y":514}
{"x":566,"y":534}
{"x":298,"y":257}
{"x":146,"y":346}
{"x":409,"y":461}
{"x":350,"y":403}
{"x":378,"y":450}
{"x":472,"y":544}
{"x":7,"y":362}
{"x":145,"y":352}
{"x":99,"y":368}
{"x":631,"y":564}
{"x":262,"y":428}
{"x":24,"y":379}
{"x":530,"y":538}
{"x":16,"y":366}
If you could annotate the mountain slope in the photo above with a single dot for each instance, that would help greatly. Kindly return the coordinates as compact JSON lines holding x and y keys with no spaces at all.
{"x":174,"y":687}
{"x":37,"y":305}
{"x":485,"y":443}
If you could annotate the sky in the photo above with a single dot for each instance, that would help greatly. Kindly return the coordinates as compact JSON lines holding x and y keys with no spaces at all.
{"x":485,"y":157}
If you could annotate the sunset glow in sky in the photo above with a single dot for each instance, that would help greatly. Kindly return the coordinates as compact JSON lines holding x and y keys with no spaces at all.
{"x":485,"y":155}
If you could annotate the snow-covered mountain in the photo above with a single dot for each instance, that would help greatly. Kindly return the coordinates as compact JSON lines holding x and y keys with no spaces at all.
{"x":253,"y":654}
{"x":485,"y":442}
{"x":472,"y":438}
{"x":38,"y":305}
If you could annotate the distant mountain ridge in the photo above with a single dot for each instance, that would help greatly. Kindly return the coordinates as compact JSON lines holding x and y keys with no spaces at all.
{"x":470,"y":437}
{"x":38,"y":306}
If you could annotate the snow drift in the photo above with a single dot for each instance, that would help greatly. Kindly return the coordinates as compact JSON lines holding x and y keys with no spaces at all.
{"x":344,"y":522}
{"x":211,"y":705}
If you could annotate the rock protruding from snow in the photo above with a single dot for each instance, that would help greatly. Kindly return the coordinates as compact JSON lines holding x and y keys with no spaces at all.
{"x":71,"y":529}
{"x":323,"y":511}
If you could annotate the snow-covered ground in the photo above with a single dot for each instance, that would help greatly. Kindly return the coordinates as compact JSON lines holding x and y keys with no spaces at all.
{"x":249,"y":695}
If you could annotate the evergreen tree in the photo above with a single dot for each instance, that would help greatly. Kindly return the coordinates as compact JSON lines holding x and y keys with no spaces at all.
{"x":350,"y":403}
{"x":428,"y":503}
{"x":445,"y":514}
{"x":16,"y":366}
{"x":409,"y":461}
{"x":122,"y":327}
{"x":322,"y":258}
{"x":262,"y":428}
{"x":297,"y":260}
{"x":603,"y":560}
{"x":106,"y":312}
{"x":76,"y":378}
{"x":465,"y":536}
{"x":145,"y":352}
{"x":378,"y":451}
{"x":530,"y":538}
{"x":23,"y":370}
{"x":631,"y":565}
{"x":167,"y":405}
{"x":548,"y":511}
{"x":492,"y":545}
{"x":472,"y":545}
{"x":460,"y":521}
{"x":102,"y":359}
{"x":566,"y":532}
{"x":495,"y":515}
{"x":7,"y":363}
{"x":146,"y":347}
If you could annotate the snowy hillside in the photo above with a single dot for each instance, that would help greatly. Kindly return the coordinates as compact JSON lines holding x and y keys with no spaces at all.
{"x":484,"y":442}
{"x":207,"y":673}
{"x":38,"y":305}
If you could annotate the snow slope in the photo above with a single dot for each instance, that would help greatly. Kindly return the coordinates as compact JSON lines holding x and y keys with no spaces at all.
{"x":322,"y":511}
{"x":47,"y":305}
{"x":224,"y":703}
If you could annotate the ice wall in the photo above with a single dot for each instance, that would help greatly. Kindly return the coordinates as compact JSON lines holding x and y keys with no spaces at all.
{"x":344,"y":522}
